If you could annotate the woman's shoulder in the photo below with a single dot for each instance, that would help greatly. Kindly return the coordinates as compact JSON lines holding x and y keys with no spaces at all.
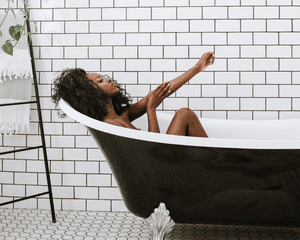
{"x":122,"y":121}
{"x":114,"y":122}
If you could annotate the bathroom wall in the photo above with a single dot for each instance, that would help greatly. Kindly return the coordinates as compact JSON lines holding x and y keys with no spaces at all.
{"x":142,"y":43}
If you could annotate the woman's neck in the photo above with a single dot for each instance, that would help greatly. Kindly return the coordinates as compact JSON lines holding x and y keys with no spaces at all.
{"x":111,"y":113}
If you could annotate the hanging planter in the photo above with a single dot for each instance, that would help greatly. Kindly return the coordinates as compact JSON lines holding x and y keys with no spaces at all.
{"x":17,"y":31}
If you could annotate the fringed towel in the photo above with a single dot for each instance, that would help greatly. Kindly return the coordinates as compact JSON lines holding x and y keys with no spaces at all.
{"x":16,"y":66}
{"x":15,"y":117}
{"x":15,"y":82}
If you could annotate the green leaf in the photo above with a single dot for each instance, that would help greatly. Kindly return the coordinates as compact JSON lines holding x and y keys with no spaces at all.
{"x":19,"y":28}
{"x":15,"y":31}
{"x":29,"y":34}
{"x":11,"y":30}
{"x":0,"y":34}
{"x":8,"y":48}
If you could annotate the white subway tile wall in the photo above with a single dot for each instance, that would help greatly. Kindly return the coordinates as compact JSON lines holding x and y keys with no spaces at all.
{"x":142,"y":43}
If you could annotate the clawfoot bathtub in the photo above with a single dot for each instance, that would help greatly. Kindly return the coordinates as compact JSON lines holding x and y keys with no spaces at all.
{"x":246,"y":172}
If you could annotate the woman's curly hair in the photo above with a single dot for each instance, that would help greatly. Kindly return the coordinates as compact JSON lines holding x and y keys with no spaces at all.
{"x":74,"y":87}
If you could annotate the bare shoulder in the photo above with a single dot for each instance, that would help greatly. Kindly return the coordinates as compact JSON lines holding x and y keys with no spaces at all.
{"x":114,"y":122}
{"x":120,"y":122}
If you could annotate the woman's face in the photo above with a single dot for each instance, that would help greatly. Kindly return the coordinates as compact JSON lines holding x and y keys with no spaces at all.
{"x":107,"y":85}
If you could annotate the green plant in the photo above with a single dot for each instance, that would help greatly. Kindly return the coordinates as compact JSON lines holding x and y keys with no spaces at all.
{"x":17,"y":31}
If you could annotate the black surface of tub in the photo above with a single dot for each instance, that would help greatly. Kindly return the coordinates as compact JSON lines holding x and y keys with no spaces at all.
{"x":206,"y":185}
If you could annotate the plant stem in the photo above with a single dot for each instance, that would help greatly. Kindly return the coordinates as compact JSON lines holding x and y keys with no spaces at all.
{"x":21,"y":33}
{"x":6,"y":13}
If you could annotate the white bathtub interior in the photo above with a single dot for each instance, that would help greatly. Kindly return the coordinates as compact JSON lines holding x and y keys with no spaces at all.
{"x":258,"y":134}
{"x":285,"y":129}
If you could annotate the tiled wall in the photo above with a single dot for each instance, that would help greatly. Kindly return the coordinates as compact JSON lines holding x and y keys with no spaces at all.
{"x":142,"y":43}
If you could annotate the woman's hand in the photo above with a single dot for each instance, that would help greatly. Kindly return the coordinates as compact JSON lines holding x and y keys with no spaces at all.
{"x":206,"y":60}
{"x":155,"y":97}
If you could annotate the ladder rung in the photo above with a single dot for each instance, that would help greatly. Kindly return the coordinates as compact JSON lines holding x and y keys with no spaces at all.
{"x":20,"y":150}
{"x":21,"y":199}
{"x":18,"y":103}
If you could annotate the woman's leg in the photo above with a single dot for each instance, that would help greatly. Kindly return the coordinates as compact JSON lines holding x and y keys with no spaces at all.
{"x":186,"y":123}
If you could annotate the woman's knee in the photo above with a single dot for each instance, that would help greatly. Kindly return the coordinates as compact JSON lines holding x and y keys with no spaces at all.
{"x":186,"y":112}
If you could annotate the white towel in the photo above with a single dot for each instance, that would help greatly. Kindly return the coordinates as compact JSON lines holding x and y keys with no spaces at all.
{"x":15,"y":117}
{"x":16,"y":66}
{"x":15,"y":81}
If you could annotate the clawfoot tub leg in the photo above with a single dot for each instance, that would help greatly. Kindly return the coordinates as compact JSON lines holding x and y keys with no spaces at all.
{"x":160,"y":222}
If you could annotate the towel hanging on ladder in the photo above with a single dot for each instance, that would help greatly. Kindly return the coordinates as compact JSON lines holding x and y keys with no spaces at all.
{"x":15,"y":81}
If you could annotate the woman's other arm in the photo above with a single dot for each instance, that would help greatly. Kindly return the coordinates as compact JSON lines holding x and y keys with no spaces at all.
{"x":137,"y":109}
{"x":152,"y":120}
{"x":206,"y":60}
{"x":154,"y":98}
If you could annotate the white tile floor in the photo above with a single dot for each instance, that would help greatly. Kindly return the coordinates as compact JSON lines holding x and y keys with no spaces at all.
{"x":23,"y":224}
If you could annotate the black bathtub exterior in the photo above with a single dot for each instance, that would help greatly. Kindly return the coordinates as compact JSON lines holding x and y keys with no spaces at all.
{"x":206,"y":185}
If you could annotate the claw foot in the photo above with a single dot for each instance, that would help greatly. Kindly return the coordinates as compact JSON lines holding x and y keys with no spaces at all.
{"x":160,"y":222}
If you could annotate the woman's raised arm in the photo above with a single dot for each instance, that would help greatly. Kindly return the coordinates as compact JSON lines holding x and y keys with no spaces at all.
{"x":206,"y":60}
{"x":140,"y":108}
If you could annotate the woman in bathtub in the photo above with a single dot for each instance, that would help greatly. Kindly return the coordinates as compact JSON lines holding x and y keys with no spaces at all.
{"x":102,"y":98}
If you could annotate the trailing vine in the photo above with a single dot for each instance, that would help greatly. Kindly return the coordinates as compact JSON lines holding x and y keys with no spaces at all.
{"x":17,"y":31}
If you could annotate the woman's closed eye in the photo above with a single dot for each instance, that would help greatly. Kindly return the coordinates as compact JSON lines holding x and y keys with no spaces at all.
{"x":104,"y":77}
{"x":101,"y":79}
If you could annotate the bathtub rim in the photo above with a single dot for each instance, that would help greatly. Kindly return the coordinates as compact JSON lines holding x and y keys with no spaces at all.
{"x":173,"y":139}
